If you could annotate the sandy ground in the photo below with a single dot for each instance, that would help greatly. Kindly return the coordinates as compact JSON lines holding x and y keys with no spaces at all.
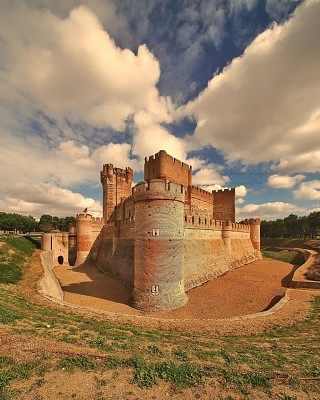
{"x":246,"y":290}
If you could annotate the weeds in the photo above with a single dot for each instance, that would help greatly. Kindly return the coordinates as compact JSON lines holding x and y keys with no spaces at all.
{"x":83,"y":363}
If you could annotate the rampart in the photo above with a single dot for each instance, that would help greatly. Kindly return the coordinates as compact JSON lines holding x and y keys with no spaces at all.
{"x":163,"y":237}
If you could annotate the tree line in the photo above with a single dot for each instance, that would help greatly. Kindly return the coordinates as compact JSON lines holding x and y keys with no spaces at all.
{"x":11,"y":222}
{"x":292,"y":226}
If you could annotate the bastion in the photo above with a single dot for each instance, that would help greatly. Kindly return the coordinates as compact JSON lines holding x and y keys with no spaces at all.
{"x":161,"y":237}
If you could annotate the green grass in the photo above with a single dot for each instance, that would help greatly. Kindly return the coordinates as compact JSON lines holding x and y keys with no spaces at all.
{"x":146,"y":357}
{"x":291,"y":257}
{"x":289,"y":242}
{"x":71,"y":363}
{"x":13,"y":256}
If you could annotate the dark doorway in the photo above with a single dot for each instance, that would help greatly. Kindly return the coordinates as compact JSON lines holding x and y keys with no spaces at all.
{"x":60,"y":260}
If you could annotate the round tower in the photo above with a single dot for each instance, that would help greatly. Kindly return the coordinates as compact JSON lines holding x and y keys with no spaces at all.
{"x":46,"y":241}
{"x":84,"y":237}
{"x":158,"y":246}
{"x":255,"y":232}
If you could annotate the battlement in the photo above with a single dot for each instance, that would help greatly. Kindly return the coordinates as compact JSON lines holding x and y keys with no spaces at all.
{"x":108,"y":171}
{"x":227,"y":190}
{"x":89,"y":217}
{"x":202,"y":193}
{"x":209,"y":223}
{"x":240,"y":227}
{"x":158,"y":189}
{"x":254,"y":221}
{"x":197,"y":221}
{"x":84,"y":217}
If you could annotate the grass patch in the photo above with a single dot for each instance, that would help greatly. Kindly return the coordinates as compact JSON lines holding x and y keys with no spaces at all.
{"x":19,"y":243}
{"x":14,"y":371}
{"x":291,"y":257}
{"x":244,"y":379}
{"x":13,"y":256}
{"x":181,"y":374}
{"x":83,"y":363}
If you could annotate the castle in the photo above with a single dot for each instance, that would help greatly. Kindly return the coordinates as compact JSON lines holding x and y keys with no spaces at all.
{"x":161,"y":237}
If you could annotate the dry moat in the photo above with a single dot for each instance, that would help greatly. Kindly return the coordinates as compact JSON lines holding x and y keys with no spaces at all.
{"x":247,"y":290}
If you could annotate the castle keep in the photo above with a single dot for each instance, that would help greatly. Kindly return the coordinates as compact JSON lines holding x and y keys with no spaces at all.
{"x":162,"y":237}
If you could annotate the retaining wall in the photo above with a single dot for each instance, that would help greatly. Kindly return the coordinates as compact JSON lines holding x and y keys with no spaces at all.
{"x":299,"y":281}
{"x":49,"y":284}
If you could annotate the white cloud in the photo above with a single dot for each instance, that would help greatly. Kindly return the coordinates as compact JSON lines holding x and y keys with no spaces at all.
{"x":71,"y":67}
{"x":46,"y":199}
{"x":265,"y":105}
{"x":241,"y":191}
{"x":284,"y":182}
{"x":150,"y":137}
{"x":209,"y":176}
{"x":240,"y":200}
{"x":308,"y":191}
{"x":268,"y":211}
{"x":306,"y":162}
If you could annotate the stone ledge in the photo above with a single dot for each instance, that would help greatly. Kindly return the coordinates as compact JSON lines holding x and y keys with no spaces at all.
{"x":299,"y":281}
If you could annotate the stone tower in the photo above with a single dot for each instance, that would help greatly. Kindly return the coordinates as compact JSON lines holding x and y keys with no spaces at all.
{"x":158,"y":245}
{"x":224,"y":204}
{"x":116,"y":183}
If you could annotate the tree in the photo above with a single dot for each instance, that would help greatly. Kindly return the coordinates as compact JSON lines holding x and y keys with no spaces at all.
{"x":46,"y":223}
{"x":314,"y":223}
{"x":291,"y":224}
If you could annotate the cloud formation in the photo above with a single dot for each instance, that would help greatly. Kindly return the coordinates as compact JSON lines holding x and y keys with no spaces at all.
{"x":308,"y":191}
{"x":264,"y":106}
{"x":72,"y":68}
{"x":267,"y":211}
{"x":47,"y":199}
{"x":284,"y":182}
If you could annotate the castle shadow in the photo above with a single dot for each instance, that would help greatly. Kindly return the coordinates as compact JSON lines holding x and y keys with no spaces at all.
{"x":96,"y":284}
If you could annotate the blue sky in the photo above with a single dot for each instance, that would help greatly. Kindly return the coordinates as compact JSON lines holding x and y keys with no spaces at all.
{"x":231,"y":87}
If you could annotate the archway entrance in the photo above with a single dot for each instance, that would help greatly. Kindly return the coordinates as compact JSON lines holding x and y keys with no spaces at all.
{"x":60,"y":260}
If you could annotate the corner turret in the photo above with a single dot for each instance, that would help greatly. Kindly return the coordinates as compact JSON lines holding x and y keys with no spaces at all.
{"x":255,"y":232}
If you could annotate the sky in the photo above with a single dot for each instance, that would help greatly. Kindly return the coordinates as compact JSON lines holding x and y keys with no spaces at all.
{"x":231,"y":87}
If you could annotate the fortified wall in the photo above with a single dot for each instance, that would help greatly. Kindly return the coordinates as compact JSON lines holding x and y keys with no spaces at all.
{"x":164,"y":236}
